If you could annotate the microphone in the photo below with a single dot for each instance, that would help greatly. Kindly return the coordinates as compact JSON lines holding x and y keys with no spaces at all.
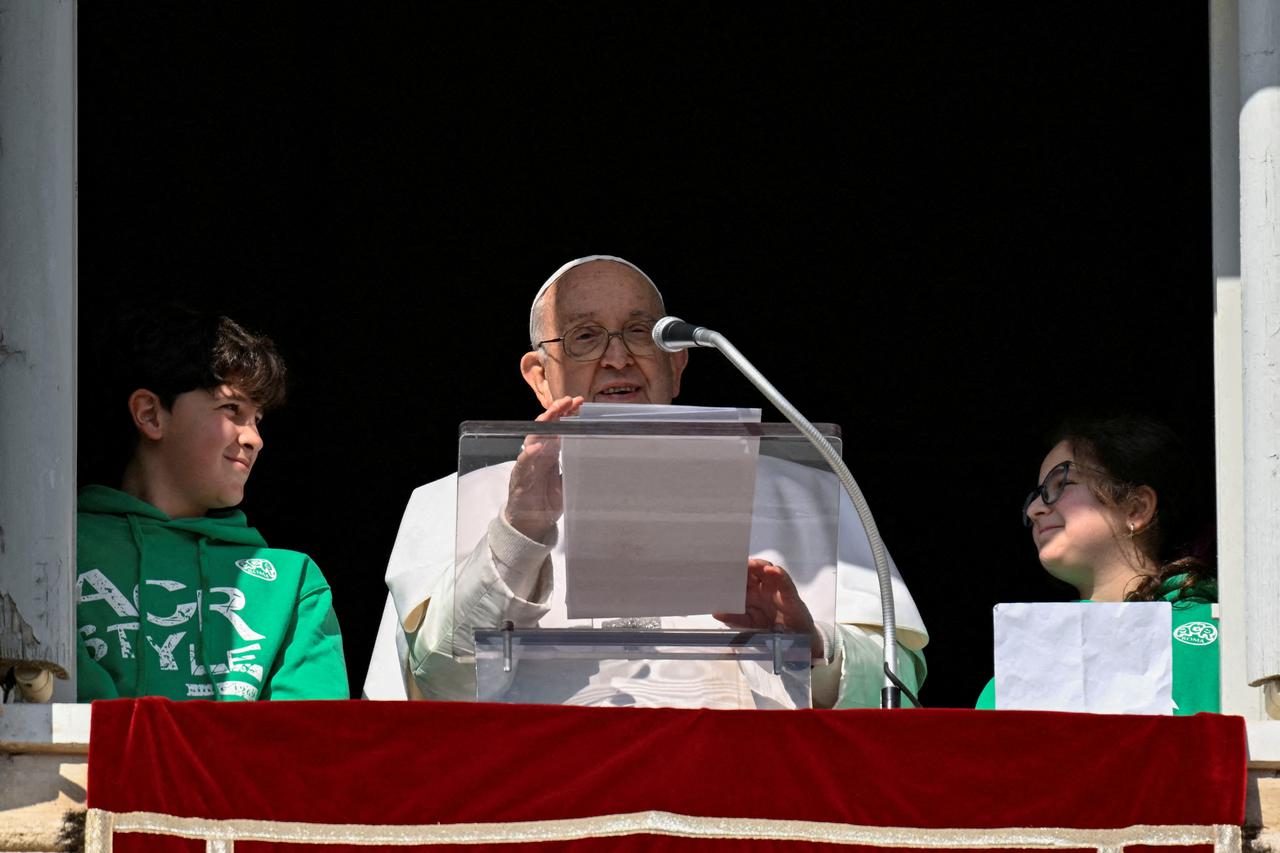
{"x":672,"y":334}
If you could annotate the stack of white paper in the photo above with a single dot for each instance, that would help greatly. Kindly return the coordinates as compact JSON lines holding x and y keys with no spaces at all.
{"x":658,"y":526}
{"x":1106,"y":658}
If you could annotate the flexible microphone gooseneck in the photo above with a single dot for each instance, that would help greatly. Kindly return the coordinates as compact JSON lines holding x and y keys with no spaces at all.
{"x":672,"y":334}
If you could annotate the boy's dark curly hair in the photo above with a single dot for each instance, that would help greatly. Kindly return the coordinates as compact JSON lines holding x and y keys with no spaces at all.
{"x":173,"y":349}
{"x":168,"y":350}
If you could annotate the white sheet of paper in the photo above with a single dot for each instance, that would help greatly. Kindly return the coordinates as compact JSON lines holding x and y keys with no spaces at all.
{"x":1100,"y":657}
{"x":657,"y":412}
{"x":657,"y":526}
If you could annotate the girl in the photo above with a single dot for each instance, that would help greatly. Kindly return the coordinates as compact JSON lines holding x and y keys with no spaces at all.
{"x":1115,"y":516}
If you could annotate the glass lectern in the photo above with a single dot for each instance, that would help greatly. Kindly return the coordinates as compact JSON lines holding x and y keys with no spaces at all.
{"x":656,"y":523}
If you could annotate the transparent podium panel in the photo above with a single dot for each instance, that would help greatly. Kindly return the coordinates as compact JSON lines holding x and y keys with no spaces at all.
{"x":645,"y":669}
{"x":624,"y":529}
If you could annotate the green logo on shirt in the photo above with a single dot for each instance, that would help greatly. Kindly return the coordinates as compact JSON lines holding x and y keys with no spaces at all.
{"x":1196,"y":633}
{"x":258,"y":568}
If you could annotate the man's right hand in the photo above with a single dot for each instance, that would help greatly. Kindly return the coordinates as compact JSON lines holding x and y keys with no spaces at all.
{"x":535,"y":494}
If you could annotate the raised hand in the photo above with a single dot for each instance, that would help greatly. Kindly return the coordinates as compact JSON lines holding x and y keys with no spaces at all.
{"x":535,"y":494}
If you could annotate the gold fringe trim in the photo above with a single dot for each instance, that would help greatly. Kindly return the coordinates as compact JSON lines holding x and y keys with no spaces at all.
{"x":99,"y":828}
{"x":222,"y":834}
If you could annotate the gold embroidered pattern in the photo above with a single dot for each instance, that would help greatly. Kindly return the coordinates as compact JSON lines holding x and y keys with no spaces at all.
{"x":220,"y":835}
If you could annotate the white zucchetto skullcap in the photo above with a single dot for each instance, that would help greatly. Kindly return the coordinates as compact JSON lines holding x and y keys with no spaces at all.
{"x":555,"y":276}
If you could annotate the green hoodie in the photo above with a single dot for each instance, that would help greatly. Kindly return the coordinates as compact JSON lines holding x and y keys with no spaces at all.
{"x":1195,"y":651}
{"x":198,"y":608}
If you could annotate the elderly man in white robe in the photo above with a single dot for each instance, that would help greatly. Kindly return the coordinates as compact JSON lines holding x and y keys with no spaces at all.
{"x":516,"y":572}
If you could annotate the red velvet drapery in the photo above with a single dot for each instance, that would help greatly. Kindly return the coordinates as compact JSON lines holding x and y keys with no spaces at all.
{"x":450,"y":763}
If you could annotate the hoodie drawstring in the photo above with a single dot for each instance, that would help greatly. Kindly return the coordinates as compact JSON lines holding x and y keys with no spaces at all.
{"x":139,"y":671}
{"x":206,"y":658}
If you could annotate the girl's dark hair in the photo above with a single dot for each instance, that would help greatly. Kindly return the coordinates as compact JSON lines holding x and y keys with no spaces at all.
{"x":1139,"y":451}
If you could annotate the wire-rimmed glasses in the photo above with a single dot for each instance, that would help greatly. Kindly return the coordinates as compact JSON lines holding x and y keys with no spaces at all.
{"x":589,"y":341}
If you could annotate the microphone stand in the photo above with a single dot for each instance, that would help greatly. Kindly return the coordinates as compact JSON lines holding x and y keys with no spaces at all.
{"x":890,"y":692}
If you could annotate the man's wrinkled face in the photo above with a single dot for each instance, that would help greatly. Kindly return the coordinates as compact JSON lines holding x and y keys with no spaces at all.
{"x":613,"y":296}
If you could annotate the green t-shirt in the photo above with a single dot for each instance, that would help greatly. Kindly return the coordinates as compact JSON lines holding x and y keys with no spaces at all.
{"x":1195,"y":655}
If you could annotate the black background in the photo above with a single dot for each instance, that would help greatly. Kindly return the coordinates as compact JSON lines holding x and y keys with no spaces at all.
{"x":942,"y":226}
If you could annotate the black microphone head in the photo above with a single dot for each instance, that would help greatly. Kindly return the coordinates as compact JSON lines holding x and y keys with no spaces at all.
{"x":672,"y":334}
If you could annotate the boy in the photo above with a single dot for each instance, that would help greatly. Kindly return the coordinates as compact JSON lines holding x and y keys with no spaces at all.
{"x":178,"y":596}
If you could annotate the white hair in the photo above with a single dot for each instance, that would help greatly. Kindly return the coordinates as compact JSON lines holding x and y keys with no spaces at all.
{"x":535,"y":310}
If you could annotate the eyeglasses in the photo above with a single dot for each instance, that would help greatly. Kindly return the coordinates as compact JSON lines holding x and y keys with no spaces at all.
{"x":588,"y":342}
{"x":1055,"y":482}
